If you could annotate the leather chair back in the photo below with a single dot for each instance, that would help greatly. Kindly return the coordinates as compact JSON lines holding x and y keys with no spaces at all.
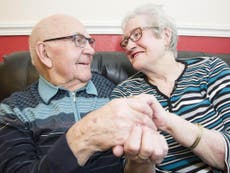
{"x":17,"y":72}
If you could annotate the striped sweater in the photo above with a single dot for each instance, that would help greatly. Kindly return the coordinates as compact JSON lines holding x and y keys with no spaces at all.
{"x":201,"y":95}
{"x":33,"y":124}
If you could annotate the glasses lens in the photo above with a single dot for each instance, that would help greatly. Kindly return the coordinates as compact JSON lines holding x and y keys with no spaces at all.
{"x":81,"y":41}
{"x":136,"y":34}
{"x":91,"y":41}
{"x":124,"y":42}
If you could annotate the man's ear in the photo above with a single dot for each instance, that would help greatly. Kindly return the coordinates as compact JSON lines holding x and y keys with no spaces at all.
{"x":167,"y":35}
{"x":42,"y":54}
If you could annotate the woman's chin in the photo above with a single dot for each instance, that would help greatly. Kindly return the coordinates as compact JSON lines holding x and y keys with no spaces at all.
{"x":137,"y":67}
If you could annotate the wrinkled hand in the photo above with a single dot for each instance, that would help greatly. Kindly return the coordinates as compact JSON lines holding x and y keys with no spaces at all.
{"x":160,"y":116}
{"x":109,"y":126}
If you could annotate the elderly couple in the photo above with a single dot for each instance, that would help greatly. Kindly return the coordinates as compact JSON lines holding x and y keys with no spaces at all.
{"x":172,"y":117}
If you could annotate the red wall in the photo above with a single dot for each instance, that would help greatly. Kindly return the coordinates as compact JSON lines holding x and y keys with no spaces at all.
{"x":10,"y":44}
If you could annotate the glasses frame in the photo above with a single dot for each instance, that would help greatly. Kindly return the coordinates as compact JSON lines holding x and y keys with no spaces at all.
{"x":127,"y":38}
{"x":91,"y":41}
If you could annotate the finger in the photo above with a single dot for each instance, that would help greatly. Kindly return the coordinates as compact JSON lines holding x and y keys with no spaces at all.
{"x":147,"y":97}
{"x":156,"y":106}
{"x":143,"y":120}
{"x":133,"y":142}
{"x":164,"y":144}
{"x":147,"y":143}
{"x":140,"y":105}
{"x":118,"y":150}
{"x":138,"y":114}
{"x":150,"y":100}
{"x":160,"y":148}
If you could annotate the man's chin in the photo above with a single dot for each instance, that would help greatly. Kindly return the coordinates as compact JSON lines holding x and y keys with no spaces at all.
{"x":86,"y":78}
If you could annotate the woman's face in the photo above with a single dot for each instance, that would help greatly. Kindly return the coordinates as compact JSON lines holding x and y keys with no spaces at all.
{"x":148,"y":50}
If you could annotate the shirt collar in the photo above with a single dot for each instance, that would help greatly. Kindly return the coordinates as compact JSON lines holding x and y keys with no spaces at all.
{"x":91,"y":88}
{"x":48,"y":90}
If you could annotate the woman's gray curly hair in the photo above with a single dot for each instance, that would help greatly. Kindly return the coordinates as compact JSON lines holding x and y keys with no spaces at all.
{"x":157,"y":18}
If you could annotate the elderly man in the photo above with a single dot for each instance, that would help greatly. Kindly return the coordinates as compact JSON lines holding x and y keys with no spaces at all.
{"x":53,"y":126}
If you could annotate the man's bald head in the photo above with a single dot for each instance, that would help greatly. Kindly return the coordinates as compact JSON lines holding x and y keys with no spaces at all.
{"x":57,"y":25}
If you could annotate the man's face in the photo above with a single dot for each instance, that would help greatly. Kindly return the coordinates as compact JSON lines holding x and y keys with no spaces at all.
{"x":71,"y":59}
{"x":67,"y":50}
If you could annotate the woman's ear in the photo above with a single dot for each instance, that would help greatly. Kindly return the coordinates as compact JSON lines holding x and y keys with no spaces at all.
{"x":42,"y":55}
{"x":167,"y":35}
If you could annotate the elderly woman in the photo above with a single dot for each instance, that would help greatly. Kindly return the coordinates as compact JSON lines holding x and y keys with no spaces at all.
{"x":192,"y":106}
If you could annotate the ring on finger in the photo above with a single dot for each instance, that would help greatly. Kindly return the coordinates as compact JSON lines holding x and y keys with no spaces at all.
{"x":141,"y":157}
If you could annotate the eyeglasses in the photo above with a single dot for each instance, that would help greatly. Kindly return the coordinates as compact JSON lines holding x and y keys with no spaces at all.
{"x":78,"y":39}
{"x":135,"y":35}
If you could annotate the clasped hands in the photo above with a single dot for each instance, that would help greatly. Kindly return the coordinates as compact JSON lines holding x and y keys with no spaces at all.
{"x":144,"y":143}
{"x":127,"y":125}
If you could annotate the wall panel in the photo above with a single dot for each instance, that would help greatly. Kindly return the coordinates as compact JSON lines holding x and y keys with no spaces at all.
{"x":202,"y":25}
{"x":105,"y":42}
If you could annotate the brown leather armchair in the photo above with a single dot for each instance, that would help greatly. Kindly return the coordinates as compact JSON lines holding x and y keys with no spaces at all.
{"x":17,"y":72}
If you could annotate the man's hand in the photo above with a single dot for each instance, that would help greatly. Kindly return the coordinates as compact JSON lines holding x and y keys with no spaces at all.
{"x":109,"y":126}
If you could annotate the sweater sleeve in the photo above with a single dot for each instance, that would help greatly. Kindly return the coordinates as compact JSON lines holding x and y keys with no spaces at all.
{"x":19,"y":152}
{"x":219,"y":94}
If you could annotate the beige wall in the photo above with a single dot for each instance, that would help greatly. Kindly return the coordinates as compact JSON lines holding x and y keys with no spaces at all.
{"x":194,"y":17}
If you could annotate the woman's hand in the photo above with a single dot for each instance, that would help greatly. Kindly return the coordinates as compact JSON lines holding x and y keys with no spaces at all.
{"x":143,"y":149}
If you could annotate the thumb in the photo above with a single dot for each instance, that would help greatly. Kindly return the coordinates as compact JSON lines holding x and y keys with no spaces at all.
{"x":118,"y":150}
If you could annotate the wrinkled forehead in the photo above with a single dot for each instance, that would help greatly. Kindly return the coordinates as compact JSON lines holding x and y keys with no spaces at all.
{"x":58,"y":26}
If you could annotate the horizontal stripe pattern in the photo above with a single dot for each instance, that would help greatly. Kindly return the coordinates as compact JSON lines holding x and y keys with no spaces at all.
{"x":32,"y":132}
{"x":201,"y":95}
